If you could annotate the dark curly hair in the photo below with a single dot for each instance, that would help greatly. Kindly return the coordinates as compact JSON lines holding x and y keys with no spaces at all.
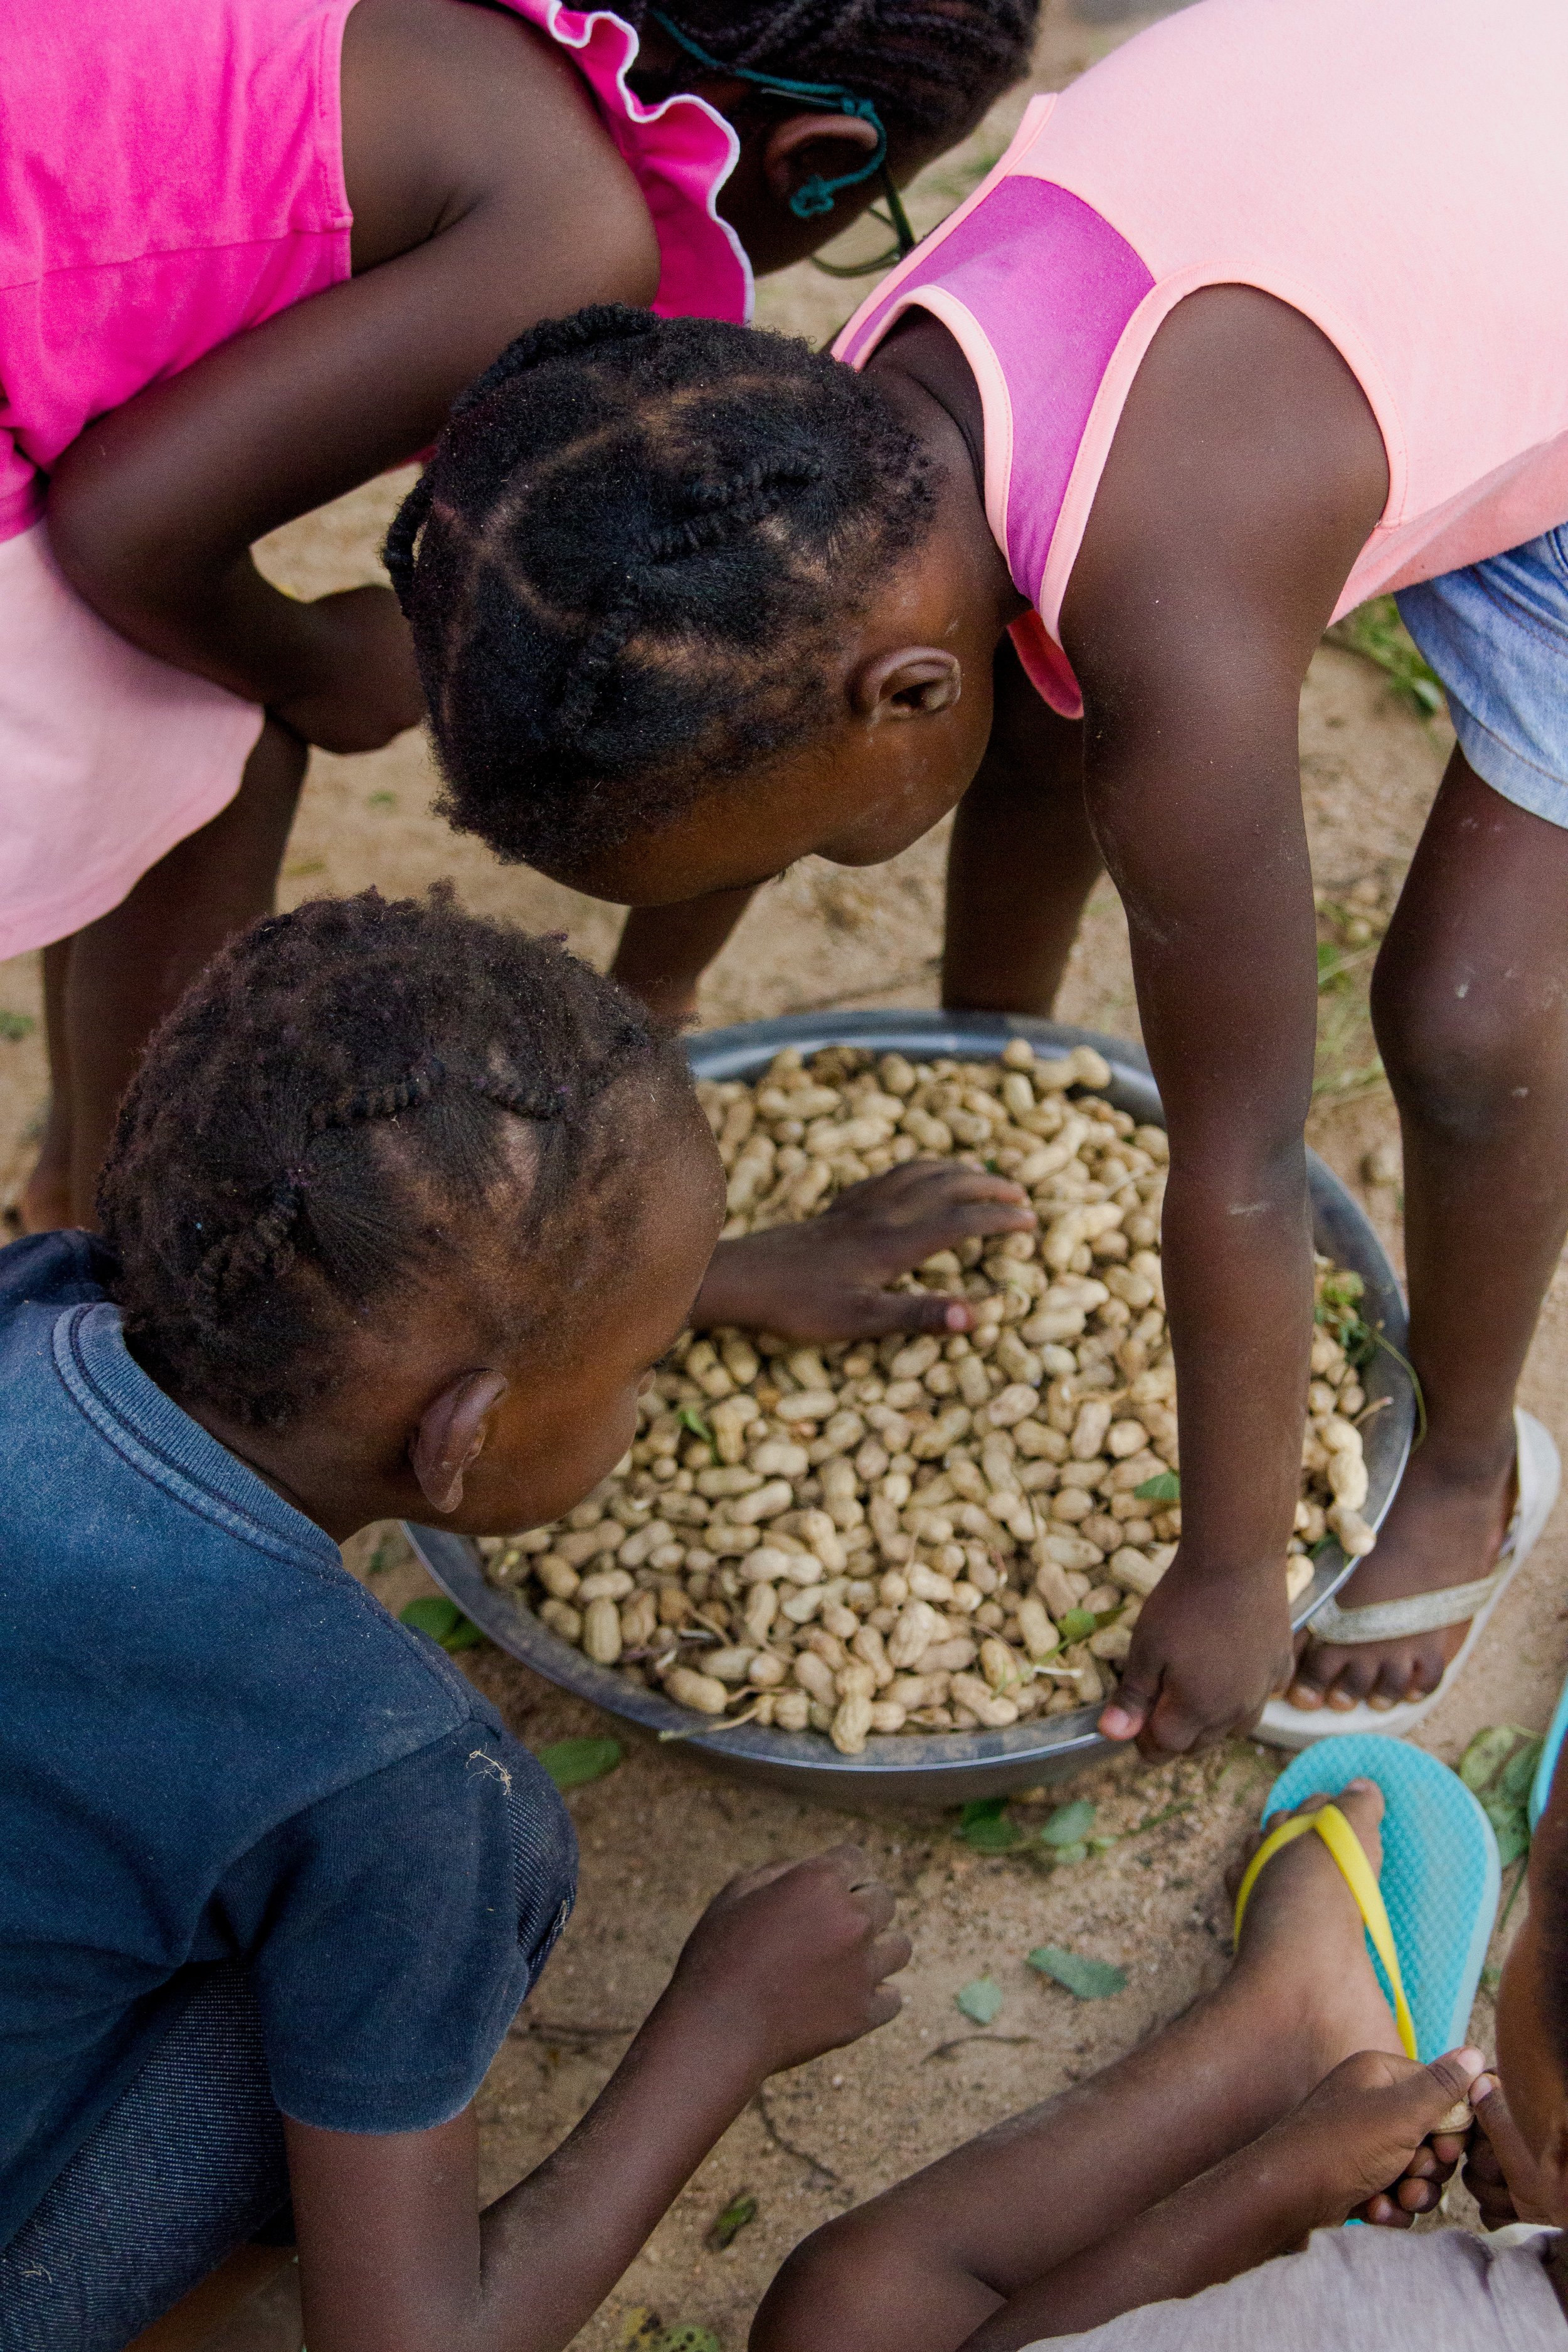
{"x":331,"y":1116}
{"x":930,"y":65}
{"x":638,"y":544}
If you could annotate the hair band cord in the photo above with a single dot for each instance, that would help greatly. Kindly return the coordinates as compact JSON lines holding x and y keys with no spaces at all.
{"x":817,"y":195}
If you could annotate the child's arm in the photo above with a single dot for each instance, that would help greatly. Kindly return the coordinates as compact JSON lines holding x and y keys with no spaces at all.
{"x":1338,"y":2150}
{"x":1245,"y":476}
{"x":473,"y":155}
{"x":394,"y":2254}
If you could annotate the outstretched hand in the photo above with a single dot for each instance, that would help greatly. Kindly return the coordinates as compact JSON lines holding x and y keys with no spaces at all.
{"x":826,"y":1279}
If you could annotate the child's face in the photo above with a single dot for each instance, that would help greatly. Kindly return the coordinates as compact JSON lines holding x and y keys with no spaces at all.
{"x":570,"y":1412}
{"x":1529,"y":2067}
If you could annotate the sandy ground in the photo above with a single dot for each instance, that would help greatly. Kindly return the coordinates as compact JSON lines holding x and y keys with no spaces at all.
{"x":661,"y":1834}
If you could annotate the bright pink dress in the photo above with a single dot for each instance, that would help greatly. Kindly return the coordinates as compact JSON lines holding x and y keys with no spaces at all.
{"x":171,"y":173}
{"x":1396,"y":170}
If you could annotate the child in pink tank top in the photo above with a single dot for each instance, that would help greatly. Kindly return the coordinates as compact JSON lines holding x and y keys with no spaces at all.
{"x":1148,"y":411}
{"x":248,"y":253}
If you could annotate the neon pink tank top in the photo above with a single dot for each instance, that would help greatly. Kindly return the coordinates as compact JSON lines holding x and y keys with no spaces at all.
{"x":172,"y":172}
{"x":1396,"y":170}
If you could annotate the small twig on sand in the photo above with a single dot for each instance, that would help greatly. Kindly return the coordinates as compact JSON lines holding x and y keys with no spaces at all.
{"x":787,"y":2148}
{"x":968,"y":2041}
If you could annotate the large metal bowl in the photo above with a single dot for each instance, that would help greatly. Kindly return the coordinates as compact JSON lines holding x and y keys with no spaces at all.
{"x":940,"y":1767}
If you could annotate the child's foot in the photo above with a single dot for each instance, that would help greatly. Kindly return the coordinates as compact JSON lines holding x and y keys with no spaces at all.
{"x":1440,"y":1531}
{"x":1303,"y":1943}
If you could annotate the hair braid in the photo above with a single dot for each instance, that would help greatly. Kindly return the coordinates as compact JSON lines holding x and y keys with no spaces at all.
{"x":637,"y":554}
{"x":300,"y":1050}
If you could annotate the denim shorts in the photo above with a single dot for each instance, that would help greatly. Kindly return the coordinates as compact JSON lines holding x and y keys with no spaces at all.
{"x":1496,"y":635}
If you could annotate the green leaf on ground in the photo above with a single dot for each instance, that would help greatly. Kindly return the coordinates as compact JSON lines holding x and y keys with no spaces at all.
{"x":1163,"y":1488}
{"x":1070,"y":1824}
{"x":685,"y":2337}
{"x":689,"y":1418}
{"x":1085,"y":1979}
{"x":14,"y":1026}
{"x":442,"y":1619}
{"x":1499,"y":1766}
{"x":981,"y":2001}
{"x":572,"y":1762}
{"x":732,"y":2220}
{"x":990,"y":1831}
{"x":1077,"y":1625}
{"x":381,"y":800}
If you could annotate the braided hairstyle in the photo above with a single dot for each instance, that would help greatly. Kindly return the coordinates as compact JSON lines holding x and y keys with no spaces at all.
{"x":628,"y":566}
{"x":930,"y":65}
{"x":358,"y":1098}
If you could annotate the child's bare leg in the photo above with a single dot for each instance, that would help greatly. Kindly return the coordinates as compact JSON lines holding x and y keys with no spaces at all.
{"x":1021,"y":860}
{"x":921,"y":2267}
{"x":123,"y":973}
{"x":1470,"y":1003}
{"x":664,"y":950}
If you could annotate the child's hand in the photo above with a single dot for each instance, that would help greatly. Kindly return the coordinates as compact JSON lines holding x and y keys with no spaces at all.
{"x":1366,"y":2139}
{"x":367,"y":687}
{"x":790,"y":1960}
{"x":1499,"y":2171}
{"x":1204,"y":1657}
{"x":824,"y":1279}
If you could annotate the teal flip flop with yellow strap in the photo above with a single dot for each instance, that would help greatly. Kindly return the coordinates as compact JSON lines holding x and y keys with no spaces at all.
{"x":1429,"y":1911}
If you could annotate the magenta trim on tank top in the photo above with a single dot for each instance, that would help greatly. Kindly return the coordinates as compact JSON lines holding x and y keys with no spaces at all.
{"x":1032,"y":266}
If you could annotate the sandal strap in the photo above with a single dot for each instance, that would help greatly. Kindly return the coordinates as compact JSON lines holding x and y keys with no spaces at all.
{"x":1397,"y":1620}
{"x":1350,"y":1854}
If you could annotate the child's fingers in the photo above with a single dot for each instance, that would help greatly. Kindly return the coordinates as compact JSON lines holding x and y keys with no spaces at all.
{"x":879,"y":1312}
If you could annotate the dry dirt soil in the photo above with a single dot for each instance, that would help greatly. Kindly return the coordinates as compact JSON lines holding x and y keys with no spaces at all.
{"x":661,"y":1834}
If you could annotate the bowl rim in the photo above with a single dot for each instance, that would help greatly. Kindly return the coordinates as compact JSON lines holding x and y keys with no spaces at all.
{"x":1053,"y":1743}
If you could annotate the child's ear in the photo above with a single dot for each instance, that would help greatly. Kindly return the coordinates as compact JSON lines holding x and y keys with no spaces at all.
{"x":912,"y":682}
{"x":451,"y":1435}
{"x":794,"y":149}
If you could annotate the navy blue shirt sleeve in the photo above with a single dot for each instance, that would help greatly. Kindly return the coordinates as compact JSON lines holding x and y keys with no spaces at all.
{"x":393,"y":1929}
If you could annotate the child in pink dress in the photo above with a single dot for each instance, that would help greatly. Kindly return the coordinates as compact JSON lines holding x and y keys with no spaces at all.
{"x":248,"y":252}
{"x":1264,"y":315}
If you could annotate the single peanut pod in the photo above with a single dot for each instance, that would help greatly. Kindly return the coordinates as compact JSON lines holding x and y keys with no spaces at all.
{"x":986,"y":1706}
{"x":850,"y":1725}
{"x":953,"y":1657}
{"x":1134,"y":1570}
{"x":727,"y":1665}
{"x":1036,"y":1629}
{"x":927,"y":1585}
{"x":562,"y":1619}
{"x":841,"y":1619}
{"x":1090,"y":1429}
{"x":761,"y":1608}
{"x":602,"y":1631}
{"x":766,"y":1670}
{"x":887,"y":1714}
{"x":815,"y":1676}
{"x":1347,"y":1477}
{"x":1111,"y":1643}
{"x":855,"y":1679}
{"x":1002,"y":1668}
{"x":917,"y":1628}
{"x":639,"y":1620}
{"x":805,"y":1404}
{"x":824,"y":1645}
{"x":1298,"y":1575}
{"x":792,"y":1710}
{"x":701,"y":1693}
{"x":870,"y":1647}
{"x":559,"y":1578}
{"x":606,"y":1584}
{"x":1016,"y":1403}
{"x":1356,"y":1538}
{"x":966,"y":1598}
{"x":780,"y":1457}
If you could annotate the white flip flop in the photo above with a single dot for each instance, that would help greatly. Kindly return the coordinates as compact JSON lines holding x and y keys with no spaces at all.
{"x":1539,"y":1473}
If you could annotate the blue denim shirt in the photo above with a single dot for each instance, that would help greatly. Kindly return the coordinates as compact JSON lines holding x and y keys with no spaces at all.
{"x":214,"y":1743}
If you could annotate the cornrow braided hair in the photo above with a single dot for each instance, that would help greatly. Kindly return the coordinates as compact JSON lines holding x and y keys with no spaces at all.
{"x":931,"y":66}
{"x":628,"y":566}
{"x":327,"y":1118}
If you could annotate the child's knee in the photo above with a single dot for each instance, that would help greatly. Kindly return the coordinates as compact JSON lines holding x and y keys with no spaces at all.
{"x":829,"y":2294}
{"x":1459,"y":1062}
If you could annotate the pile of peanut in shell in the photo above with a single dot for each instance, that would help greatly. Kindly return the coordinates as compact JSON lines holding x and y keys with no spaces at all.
{"x":919,"y":1535}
